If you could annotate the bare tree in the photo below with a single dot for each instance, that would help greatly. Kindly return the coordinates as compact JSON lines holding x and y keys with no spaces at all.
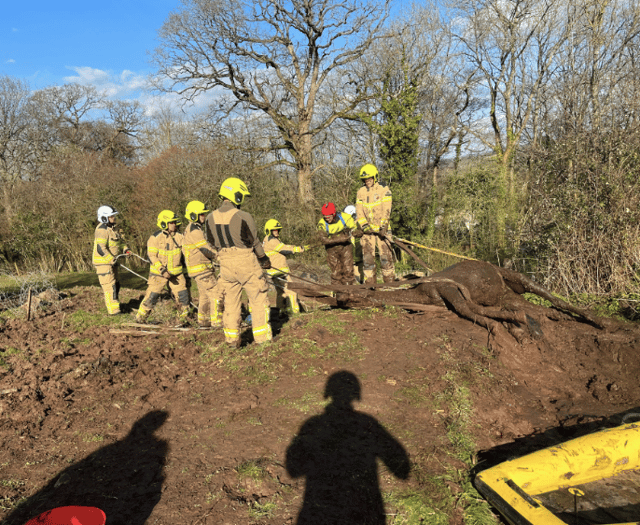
{"x":271,"y":56}
{"x":16,"y":118}
{"x":512,"y":45}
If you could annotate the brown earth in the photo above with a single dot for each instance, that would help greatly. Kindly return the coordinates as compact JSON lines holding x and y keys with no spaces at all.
{"x":177,"y":428}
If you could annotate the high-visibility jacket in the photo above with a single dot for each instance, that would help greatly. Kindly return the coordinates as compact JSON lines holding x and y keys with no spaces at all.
{"x":198,"y":253}
{"x":373,"y":206}
{"x":338,"y":231}
{"x":277,"y":252}
{"x":165,"y":252}
{"x":107,"y":245}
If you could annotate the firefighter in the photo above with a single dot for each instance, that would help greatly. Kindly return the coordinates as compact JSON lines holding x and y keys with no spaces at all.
{"x":356,"y":235}
{"x":198,"y":258}
{"x":164,"y":249}
{"x":373,"y":207}
{"x":276,"y":250}
{"x":334,"y":230}
{"x":107,"y":245}
{"x":242,"y":258}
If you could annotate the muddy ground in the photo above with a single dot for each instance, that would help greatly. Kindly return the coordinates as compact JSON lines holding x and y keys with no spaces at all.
{"x":175,"y":428}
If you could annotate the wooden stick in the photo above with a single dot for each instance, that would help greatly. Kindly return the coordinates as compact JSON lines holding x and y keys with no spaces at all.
{"x":29,"y":305}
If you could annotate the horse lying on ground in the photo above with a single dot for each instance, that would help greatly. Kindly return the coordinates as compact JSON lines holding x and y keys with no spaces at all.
{"x":479,"y":291}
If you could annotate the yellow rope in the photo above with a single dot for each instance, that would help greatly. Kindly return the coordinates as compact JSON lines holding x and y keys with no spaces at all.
{"x":435,"y":249}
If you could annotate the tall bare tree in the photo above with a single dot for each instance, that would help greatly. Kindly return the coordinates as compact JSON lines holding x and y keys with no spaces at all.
{"x":513,"y":45}
{"x":272,"y":56}
{"x":16,"y":120}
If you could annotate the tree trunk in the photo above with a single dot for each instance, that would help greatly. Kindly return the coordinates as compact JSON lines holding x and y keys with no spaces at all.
{"x":304,"y":162}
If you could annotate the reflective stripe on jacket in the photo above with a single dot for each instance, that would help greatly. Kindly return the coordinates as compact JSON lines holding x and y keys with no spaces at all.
{"x":277,"y":251}
{"x":107,"y":245}
{"x":165,"y":252}
{"x":373,"y":206}
{"x":341,"y":223}
{"x":198,"y":253}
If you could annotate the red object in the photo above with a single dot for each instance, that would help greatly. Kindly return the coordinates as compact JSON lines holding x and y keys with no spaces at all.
{"x":328,"y":209}
{"x":70,"y":516}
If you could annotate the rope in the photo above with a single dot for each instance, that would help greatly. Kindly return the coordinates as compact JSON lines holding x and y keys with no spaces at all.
{"x":434,"y":249}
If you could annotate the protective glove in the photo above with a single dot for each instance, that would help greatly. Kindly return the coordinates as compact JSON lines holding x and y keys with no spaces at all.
{"x":306,"y":247}
{"x":166,"y":274}
{"x":367,"y":228}
{"x":383,"y":231}
{"x":128,"y":253}
{"x":265,"y":263}
{"x":357,"y":233}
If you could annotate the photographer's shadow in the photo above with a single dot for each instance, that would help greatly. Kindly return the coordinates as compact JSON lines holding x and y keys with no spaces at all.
{"x":123,"y":479}
{"x":337,"y":452}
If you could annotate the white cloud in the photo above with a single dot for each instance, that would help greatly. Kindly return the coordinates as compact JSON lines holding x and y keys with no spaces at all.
{"x":128,"y":85}
{"x":14,"y":29}
{"x":10,"y":61}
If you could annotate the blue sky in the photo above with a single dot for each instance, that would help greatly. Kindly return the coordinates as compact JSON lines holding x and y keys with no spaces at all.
{"x":104,"y":43}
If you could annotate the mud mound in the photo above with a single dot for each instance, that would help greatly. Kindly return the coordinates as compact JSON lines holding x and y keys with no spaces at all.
{"x":176,"y":428}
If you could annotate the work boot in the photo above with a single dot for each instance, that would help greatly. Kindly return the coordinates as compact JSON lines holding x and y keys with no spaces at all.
{"x":370,"y":280}
{"x":388,"y":278}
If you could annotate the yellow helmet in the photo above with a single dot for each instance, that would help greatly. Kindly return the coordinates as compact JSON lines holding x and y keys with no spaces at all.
{"x":234,"y":189}
{"x":367,"y":171}
{"x":165,"y":217}
{"x":195,"y":208}
{"x":271,"y":225}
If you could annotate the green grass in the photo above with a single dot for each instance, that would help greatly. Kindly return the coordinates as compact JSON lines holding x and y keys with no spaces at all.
{"x":253,"y":468}
{"x":80,"y":320}
{"x":304,"y":404}
{"x":7,"y":353}
{"x":259,"y":511}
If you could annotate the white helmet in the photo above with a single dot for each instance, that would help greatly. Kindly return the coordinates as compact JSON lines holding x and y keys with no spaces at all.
{"x":104,"y":212}
{"x":351,"y":210}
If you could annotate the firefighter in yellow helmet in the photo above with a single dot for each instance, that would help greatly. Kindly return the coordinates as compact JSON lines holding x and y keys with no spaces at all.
{"x":164,"y":249}
{"x":199,"y":256}
{"x":276,"y":250}
{"x":373,"y":208}
{"x":242,"y":259}
{"x":107,"y":245}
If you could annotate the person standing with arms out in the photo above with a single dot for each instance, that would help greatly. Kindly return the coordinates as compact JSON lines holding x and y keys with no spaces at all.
{"x":164,"y":249}
{"x":334,"y":230}
{"x":373,"y":207}
{"x":242,"y":260}
{"x":276,"y":250}
{"x":107,"y":245}
{"x":198,"y":257}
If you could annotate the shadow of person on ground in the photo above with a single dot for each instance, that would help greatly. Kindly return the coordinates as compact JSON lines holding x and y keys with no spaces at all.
{"x":336,"y":451}
{"x":123,"y":479}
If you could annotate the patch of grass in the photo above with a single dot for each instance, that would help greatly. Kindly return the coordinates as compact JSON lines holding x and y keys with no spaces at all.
{"x":348,"y":348}
{"x":93,"y":438}
{"x":7,"y":353}
{"x":81,"y":320}
{"x":258,"y":511}
{"x":11,"y":483}
{"x":10,"y":503}
{"x":414,"y":395}
{"x":253,"y":468}
{"x":366,"y":313}
{"x":327,"y":320}
{"x":414,"y":507}
{"x":303,"y":404}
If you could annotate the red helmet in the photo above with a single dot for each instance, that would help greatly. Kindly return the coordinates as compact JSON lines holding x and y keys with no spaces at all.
{"x":328,"y":209}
